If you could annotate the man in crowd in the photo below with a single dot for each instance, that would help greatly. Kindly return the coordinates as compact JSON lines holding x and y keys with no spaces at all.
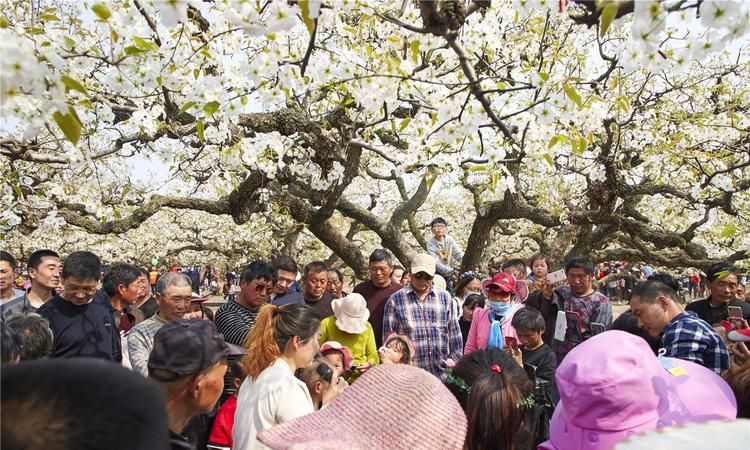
{"x":285,"y":291}
{"x":426,"y":316}
{"x":378,"y":289}
{"x":443,"y":248}
{"x":34,"y":335}
{"x":315,"y":289}
{"x":153,"y":275}
{"x":44,"y":271}
{"x":189,"y":361}
{"x":81,"y":321}
{"x":581,"y":304}
{"x":122,"y":283}
{"x":722,"y":284}
{"x":173,"y":294}
{"x":7,"y":277}
{"x":235,"y":319}
{"x":683,"y":335}
{"x":146,"y":300}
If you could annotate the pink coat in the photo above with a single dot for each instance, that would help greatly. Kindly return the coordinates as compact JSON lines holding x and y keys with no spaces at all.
{"x":479,"y":333}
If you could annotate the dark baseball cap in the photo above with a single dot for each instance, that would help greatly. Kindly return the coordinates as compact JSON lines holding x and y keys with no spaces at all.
{"x":185,"y":347}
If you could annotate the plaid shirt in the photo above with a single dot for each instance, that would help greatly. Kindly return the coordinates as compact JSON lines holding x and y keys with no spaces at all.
{"x":690,"y":338}
{"x":431,"y":324}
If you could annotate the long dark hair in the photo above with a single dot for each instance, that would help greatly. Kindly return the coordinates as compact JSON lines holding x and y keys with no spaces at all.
{"x":466,"y":279}
{"x":273,"y":329}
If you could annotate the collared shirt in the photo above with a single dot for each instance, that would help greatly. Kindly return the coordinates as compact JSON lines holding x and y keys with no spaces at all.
{"x":692,"y":339}
{"x":235,"y":321}
{"x":19,"y":305}
{"x":430,"y":324}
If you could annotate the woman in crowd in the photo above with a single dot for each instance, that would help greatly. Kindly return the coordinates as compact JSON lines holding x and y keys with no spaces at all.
{"x":470,"y":283}
{"x":471,"y":303}
{"x":495,"y":393}
{"x":492,"y":325}
{"x":284,"y":339}
{"x":349,"y":326}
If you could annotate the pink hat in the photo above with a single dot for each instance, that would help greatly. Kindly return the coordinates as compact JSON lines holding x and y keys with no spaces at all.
{"x":333,"y":345}
{"x":351,"y":313}
{"x":612,"y":386}
{"x":504,"y":281}
{"x":393,"y":335}
{"x":389,"y":407}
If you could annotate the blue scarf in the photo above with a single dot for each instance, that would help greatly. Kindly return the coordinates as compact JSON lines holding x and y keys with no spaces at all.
{"x":497,"y":311}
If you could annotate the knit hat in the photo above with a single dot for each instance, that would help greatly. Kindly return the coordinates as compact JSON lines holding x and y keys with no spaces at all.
{"x":504,"y":281}
{"x":351,"y":313}
{"x":612,"y":387}
{"x":389,"y":407}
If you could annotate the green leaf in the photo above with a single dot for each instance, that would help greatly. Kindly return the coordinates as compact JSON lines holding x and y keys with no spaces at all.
{"x":69,"y":124}
{"x":132,"y":51}
{"x":549,"y":159}
{"x":73,"y":84}
{"x":414,"y":48}
{"x":404,"y":124}
{"x":608,"y":15}
{"x":146,"y":44}
{"x":553,"y":141}
{"x":544,"y":76}
{"x":573,"y":95}
{"x":49,"y":18}
{"x":199,"y":128}
{"x":4,"y":22}
{"x":185,"y":107}
{"x":210,"y":108}
{"x":102,"y":11}
{"x":69,"y":43}
{"x":306,"y":17}
{"x":728,"y":231}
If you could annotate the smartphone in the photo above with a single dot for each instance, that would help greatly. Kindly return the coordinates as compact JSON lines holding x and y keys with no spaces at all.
{"x":597,"y":328}
{"x":574,"y":332}
{"x":735,"y":312}
{"x":511,"y":342}
{"x":557,"y":276}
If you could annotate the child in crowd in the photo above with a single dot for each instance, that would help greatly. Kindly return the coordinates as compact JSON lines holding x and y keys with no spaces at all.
{"x":539,"y":271}
{"x":337,"y":356}
{"x":529,"y":325}
{"x":221,"y":431}
{"x":397,"y":349}
{"x":320,"y":378}
{"x":349,"y":326}
{"x":470,"y":303}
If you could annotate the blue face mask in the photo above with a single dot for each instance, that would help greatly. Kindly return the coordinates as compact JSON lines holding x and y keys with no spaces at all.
{"x":500,"y":308}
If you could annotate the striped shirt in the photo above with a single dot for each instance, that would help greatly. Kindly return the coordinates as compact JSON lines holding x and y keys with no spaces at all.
{"x":431,"y":325}
{"x":140,"y":342}
{"x":692,"y":339}
{"x":235,"y":321}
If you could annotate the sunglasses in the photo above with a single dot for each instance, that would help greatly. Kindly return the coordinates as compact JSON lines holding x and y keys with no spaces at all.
{"x":325,"y":372}
{"x":423,"y":276}
{"x":261,"y":288}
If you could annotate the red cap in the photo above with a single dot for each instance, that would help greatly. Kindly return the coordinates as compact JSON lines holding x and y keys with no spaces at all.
{"x":504,"y":281}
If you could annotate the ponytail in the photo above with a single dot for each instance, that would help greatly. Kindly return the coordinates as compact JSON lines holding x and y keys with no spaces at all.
{"x":274,"y":327}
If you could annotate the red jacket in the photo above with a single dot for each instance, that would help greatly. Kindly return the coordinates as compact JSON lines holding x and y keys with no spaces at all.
{"x":221,"y":433}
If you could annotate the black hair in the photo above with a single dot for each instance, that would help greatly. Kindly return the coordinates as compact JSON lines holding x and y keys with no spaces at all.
{"x":474,"y":300}
{"x":516,"y":263}
{"x":381,"y":255}
{"x":10,"y":346}
{"x":82,"y":265}
{"x":273,"y":329}
{"x":119,"y":274}
{"x":314,"y":267}
{"x":528,"y":319}
{"x":397,"y":267}
{"x":258,"y":270}
{"x":338,"y":273}
{"x":654,"y":287}
{"x":87,"y":402}
{"x":143,"y":270}
{"x":720,"y":270}
{"x":438,"y":220}
{"x":7,"y":257}
{"x":34,"y":334}
{"x":580,"y":262}
{"x":539,"y":256}
{"x":466,"y":279}
{"x":36,"y":258}
{"x":667,"y":279}
{"x":493,"y":403}
{"x":284,"y":262}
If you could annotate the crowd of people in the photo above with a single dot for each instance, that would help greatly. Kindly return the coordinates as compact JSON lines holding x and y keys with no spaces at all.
{"x":518,"y":357}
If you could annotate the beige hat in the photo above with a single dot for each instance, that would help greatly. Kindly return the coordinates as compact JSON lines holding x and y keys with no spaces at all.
{"x":351,"y":313}
{"x":423,"y":262}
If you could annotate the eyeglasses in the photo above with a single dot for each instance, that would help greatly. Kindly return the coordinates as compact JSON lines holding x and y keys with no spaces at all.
{"x":423,"y":276}
{"x":325,"y":372}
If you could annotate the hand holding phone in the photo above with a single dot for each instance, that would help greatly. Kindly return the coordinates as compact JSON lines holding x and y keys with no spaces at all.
{"x":557,"y":276}
{"x":735,"y":312}
{"x":511,"y":342}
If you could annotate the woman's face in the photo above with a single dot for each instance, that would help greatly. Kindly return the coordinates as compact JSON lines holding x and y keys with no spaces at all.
{"x":468,"y":312}
{"x":307,"y":350}
{"x":539,"y":268}
{"x":473,"y":287}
